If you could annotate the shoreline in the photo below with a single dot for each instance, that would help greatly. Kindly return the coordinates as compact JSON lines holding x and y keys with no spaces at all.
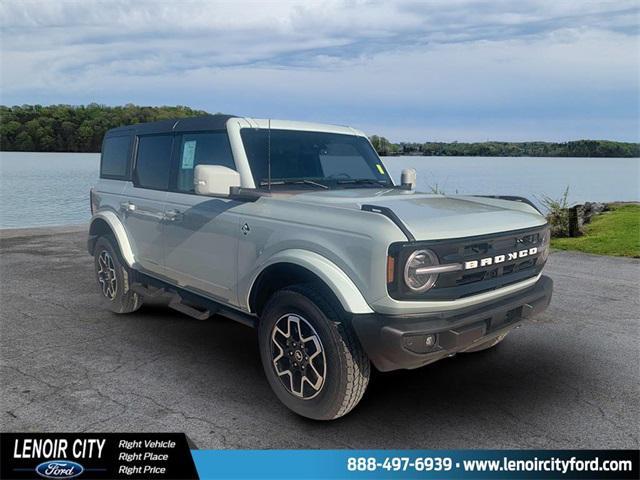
{"x":10,"y":232}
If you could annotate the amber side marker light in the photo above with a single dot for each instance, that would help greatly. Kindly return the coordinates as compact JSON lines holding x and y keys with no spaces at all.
{"x":391,"y":269}
{"x":92,"y":201}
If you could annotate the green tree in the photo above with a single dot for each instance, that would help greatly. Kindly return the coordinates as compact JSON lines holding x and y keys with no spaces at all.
{"x":67,"y":128}
{"x":24,"y":142}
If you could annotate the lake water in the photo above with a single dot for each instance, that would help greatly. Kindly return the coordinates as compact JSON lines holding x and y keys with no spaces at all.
{"x":43,"y":189}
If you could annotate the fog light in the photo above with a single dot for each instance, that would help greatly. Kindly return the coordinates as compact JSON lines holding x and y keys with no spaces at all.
{"x":420,"y":343}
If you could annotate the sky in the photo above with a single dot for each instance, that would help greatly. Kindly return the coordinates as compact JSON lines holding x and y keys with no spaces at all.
{"x":409,"y":70}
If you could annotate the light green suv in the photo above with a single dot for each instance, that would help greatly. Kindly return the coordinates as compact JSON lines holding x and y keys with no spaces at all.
{"x":298,"y":230}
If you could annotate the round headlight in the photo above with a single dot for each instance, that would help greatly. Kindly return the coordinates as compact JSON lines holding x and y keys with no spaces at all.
{"x":416,"y":281}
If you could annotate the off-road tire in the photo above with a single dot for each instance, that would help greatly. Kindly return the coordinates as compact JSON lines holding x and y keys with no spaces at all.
{"x":124,"y":300}
{"x":347,"y":370}
{"x":486,"y":345}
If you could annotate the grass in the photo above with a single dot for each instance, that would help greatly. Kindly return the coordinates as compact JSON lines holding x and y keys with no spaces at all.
{"x":616,"y":232}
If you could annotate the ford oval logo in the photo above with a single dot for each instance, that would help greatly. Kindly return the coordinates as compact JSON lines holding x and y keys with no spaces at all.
{"x":59,"y":469}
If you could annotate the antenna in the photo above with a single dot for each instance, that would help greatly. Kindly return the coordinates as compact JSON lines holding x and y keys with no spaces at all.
{"x":269,"y":156}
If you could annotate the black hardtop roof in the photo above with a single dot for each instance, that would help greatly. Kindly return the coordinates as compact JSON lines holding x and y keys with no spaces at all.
{"x":188,"y":124}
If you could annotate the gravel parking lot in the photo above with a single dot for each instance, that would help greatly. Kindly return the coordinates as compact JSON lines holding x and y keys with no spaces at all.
{"x":569,"y":380}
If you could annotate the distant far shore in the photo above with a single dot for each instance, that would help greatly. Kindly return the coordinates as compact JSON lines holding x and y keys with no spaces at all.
{"x":390,"y":155}
{"x":80,"y":129}
{"x":575,"y":149}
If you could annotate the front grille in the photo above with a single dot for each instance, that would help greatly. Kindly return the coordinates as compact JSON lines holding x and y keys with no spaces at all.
{"x":459,"y":284}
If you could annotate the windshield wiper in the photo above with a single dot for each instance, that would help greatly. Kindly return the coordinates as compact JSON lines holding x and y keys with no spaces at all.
{"x":364,"y":181}
{"x":301,"y":181}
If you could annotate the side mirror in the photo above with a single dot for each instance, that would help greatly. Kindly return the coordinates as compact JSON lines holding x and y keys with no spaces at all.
{"x":408,"y":178}
{"x":214,"y":179}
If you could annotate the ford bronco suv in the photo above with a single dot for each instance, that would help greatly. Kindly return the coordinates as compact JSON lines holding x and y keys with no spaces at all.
{"x":297,"y":229}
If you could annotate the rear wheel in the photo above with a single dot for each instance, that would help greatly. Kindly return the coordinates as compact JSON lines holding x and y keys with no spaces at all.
{"x":311,"y":357}
{"x":114,"y":278}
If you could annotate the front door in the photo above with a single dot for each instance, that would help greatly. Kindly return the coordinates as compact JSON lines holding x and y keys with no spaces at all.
{"x":201,"y":233}
{"x":201,"y":244}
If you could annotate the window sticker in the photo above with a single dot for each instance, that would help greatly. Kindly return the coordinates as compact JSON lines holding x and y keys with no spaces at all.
{"x":380,"y":169}
{"x":188,"y":154}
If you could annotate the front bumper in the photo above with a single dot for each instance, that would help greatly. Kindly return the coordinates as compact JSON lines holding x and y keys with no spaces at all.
{"x":396,"y":342}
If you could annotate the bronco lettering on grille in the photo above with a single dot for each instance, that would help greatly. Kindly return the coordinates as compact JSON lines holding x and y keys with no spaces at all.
{"x":484,"y":262}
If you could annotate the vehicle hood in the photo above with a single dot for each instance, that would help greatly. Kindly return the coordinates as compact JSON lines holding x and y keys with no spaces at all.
{"x":429,"y":216}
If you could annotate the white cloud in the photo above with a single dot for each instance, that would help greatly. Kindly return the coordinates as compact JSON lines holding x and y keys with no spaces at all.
{"x":453,"y":66}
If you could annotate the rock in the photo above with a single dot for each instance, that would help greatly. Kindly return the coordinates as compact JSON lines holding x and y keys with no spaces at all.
{"x":588,"y":210}
{"x":570,"y":221}
{"x":565,"y":223}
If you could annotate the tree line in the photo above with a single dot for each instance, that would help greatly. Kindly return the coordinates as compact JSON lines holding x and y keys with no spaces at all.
{"x":68,"y":128}
{"x":577,"y":148}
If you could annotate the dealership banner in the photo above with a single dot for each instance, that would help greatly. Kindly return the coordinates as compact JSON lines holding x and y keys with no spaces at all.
{"x":173,"y":456}
{"x":95,"y":455}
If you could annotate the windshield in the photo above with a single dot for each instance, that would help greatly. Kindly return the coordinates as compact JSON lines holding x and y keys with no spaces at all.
{"x":313,"y":159}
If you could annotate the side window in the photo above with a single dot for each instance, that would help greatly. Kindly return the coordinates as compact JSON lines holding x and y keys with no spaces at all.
{"x":153,"y":162}
{"x":116,"y":152}
{"x":211,"y":148}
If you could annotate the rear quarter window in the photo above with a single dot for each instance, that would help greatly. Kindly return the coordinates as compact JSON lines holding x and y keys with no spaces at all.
{"x":116,"y":153}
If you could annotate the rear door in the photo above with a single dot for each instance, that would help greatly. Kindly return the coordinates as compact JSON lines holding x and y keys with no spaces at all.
{"x":201,"y":233}
{"x":144,"y":199}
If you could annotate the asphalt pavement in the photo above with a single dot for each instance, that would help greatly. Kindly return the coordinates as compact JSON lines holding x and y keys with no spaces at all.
{"x":571,"y":379}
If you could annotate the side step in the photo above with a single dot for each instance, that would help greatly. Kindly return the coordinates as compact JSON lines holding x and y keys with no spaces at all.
{"x":147,"y":292}
{"x":176,"y":302}
{"x":194,"y":305}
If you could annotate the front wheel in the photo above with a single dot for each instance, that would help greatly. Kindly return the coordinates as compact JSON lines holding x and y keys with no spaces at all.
{"x":114,"y":278}
{"x":312,"y":359}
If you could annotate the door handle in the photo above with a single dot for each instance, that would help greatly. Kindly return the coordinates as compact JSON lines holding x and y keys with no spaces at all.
{"x":173,"y":215}
{"x":128,"y":206}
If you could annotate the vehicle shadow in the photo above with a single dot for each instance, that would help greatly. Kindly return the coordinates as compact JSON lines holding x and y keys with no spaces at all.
{"x":502,"y":388}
